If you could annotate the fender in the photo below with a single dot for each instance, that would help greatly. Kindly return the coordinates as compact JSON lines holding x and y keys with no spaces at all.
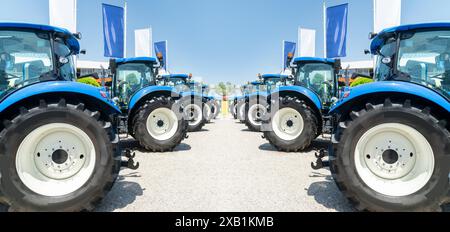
{"x":55,"y":87}
{"x":384,"y":87}
{"x":148,"y":90}
{"x":258,"y":94}
{"x":303,"y":91}
{"x":193,"y":94}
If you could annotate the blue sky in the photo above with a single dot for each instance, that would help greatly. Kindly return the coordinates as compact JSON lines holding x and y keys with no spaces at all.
{"x":225,"y":40}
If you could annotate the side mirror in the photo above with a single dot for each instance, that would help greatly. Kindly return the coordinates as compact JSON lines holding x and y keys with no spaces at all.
{"x":338,"y":65}
{"x":83,"y":52}
{"x":367,"y":52}
{"x":78,"y":35}
{"x":113,"y":66}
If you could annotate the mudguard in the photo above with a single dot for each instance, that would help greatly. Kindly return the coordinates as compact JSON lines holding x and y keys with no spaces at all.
{"x":386,"y":87}
{"x":148,"y":90}
{"x":303,"y":91}
{"x":259,"y":94}
{"x":55,"y":87}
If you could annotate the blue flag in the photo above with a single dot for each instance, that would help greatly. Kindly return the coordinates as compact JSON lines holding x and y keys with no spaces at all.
{"x":288,"y":47}
{"x":113,"y":31}
{"x":161,"y":47}
{"x":337,"y":31}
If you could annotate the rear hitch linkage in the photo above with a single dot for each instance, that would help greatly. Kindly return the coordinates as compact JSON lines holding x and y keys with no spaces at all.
{"x":130,"y":162}
{"x":320,"y":163}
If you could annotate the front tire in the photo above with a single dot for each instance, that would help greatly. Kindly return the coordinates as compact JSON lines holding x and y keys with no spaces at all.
{"x":293,"y":127}
{"x":158,"y":124}
{"x":392,"y":157}
{"x":192,"y":109}
{"x":57,"y":157}
{"x":254,"y":114}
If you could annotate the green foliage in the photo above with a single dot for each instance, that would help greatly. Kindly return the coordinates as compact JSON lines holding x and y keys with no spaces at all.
{"x":361,"y":81}
{"x":89,"y":81}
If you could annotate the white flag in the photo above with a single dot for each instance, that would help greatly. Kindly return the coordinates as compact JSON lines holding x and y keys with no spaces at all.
{"x":387,"y":13}
{"x":143,"y":42}
{"x":63,"y":13}
{"x":307,"y":42}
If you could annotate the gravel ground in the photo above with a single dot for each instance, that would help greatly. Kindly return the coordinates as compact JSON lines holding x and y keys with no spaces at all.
{"x":225,"y":168}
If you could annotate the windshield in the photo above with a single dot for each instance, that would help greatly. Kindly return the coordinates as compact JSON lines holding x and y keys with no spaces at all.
{"x":273,"y":83}
{"x":130,"y":78}
{"x":24,"y":58}
{"x":318,"y":77}
{"x":425,"y":58}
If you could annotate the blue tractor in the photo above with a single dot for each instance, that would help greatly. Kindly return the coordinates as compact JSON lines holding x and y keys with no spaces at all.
{"x":391,"y":138}
{"x":192,"y":102}
{"x":256,"y":102}
{"x":252,"y":88}
{"x":150,"y":113}
{"x":58,"y":140}
{"x":209,"y":108}
{"x":295,"y":112}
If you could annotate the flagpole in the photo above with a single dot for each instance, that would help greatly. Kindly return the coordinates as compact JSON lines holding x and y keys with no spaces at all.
{"x":125,"y":30}
{"x":324,"y":29}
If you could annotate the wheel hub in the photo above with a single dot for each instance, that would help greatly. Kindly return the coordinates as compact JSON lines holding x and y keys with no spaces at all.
{"x":60,"y":156}
{"x":290,"y":123}
{"x":160,"y":123}
{"x":390,"y":156}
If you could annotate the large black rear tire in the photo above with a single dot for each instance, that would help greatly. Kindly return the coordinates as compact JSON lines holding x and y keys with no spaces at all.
{"x":148,"y":112}
{"x":22,"y":194}
{"x":300,"y":112}
{"x":355,"y":176}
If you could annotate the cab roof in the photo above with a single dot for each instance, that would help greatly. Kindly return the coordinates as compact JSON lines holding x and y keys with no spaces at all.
{"x":137,"y":60}
{"x":71,"y":39}
{"x":313,"y":59}
{"x":181,"y":76}
{"x":379,"y":39}
{"x":274,"y":76}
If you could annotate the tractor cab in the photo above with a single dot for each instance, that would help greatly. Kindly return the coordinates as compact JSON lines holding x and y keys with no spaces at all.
{"x":131,"y":75}
{"x":31,"y":54}
{"x":414,"y":53}
{"x":319,"y":75}
{"x":273,"y":81}
{"x":177,"y":81}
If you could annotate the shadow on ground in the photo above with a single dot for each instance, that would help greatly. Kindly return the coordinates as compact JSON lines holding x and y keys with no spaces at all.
{"x":134,"y":145}
{"x":316,"y":145}
{"x":327,"y":194}
{"x":124,"y":193}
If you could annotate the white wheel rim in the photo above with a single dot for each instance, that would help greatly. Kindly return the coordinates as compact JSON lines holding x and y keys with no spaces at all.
{"x":242,"y":111}
{"x":255,"y":113}
{"x":162,"y":124}
{"x":287,"y":124}
{"x":207,"y":111}
{"x":394,"y":159}
{"x":194,"y":114}
{"x":55,"y":159}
